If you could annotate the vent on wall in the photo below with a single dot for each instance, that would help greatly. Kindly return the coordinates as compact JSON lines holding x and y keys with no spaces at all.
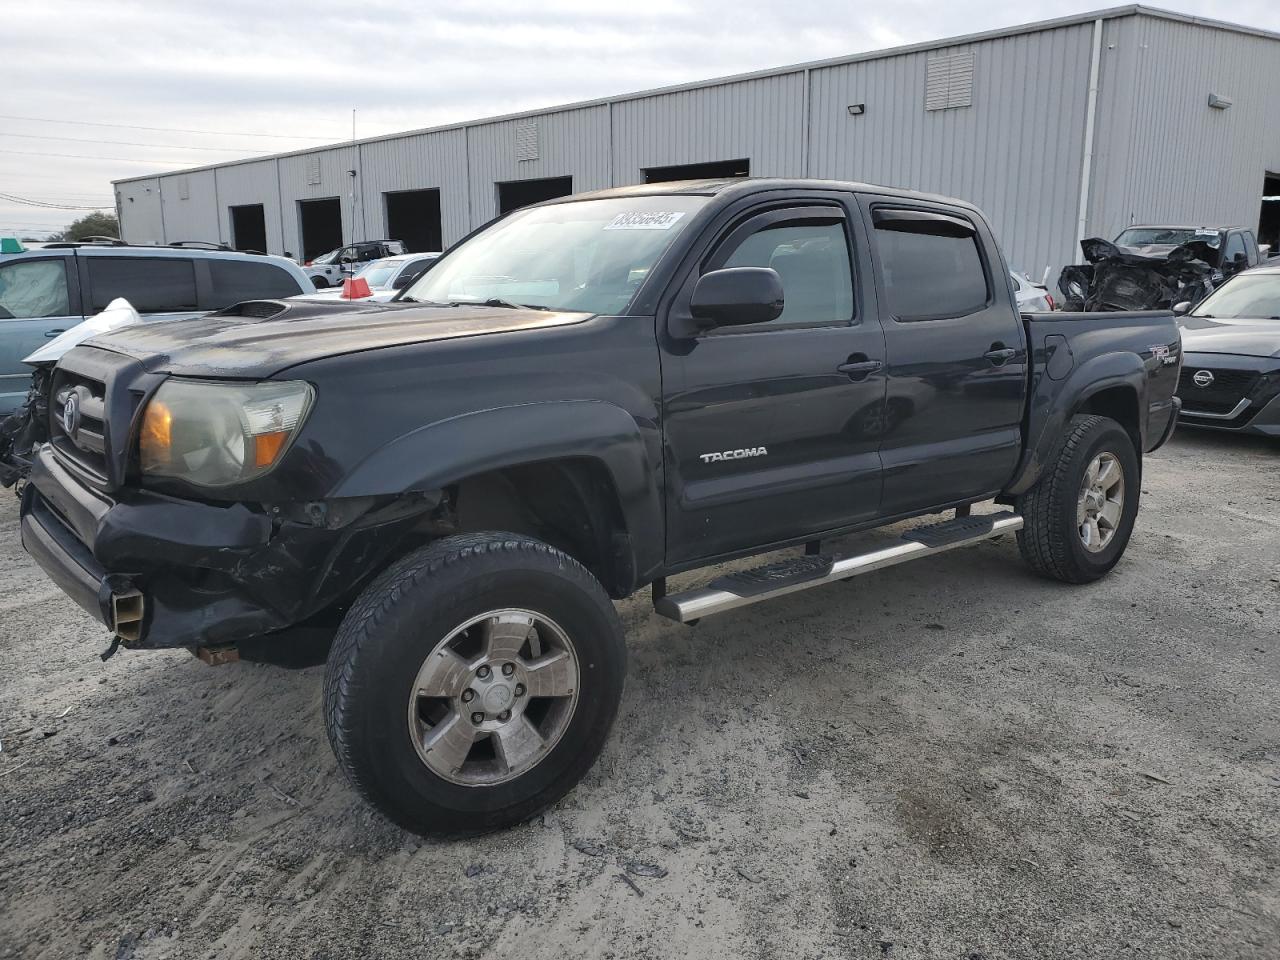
{"x":949,"y":81}
{"x":184,"y":189}
{"x":313,"y":171}
{"x":526,"y":139}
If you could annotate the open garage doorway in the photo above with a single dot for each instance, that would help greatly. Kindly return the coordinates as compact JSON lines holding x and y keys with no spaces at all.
{"x":249,"y":228}
{"x":1269,"y":219}
{"x":321,"y":225}
{"x":714,"y":170}
{"x":520,"y":193}
{"x":413,"y":216}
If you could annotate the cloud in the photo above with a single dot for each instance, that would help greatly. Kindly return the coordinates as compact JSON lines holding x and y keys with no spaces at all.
{"x":297,"y":67}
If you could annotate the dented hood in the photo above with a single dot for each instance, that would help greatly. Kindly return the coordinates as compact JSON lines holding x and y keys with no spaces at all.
{"x":235,"y":343}
{"x":1243,"y":337}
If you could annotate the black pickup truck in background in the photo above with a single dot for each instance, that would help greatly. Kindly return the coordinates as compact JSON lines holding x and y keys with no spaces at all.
{"x":579,"y":400}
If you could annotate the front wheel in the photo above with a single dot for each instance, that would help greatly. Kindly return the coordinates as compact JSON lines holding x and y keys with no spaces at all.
{"x":473,"y":683}
{"x":1079,"y":516}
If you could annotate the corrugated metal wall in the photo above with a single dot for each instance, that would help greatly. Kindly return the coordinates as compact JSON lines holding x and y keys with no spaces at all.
{"x":140,"y":210}
{"x":761,"y":120}
{"x":248,"y":183}
{"x":423,"y":162}
{"x":570,"y":143}
{"x":1016,"y":151}
{"x":334,"y":181}
{"x":1165,"y":154}
{"x":189,"y":206}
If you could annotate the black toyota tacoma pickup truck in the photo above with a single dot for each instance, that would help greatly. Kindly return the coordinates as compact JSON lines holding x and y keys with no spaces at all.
{"x":579,"y":400}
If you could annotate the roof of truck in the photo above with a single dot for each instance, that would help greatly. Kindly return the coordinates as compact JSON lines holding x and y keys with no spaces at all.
{"x":733,"y":186}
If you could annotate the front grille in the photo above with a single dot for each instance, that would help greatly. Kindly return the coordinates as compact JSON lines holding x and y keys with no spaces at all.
{"x":1223,"y":395}
{"x":79,"y":402}
{"x":93,"y":399}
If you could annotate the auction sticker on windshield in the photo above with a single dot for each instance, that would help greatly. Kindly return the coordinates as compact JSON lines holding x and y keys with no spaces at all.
{"x":658,"y":220}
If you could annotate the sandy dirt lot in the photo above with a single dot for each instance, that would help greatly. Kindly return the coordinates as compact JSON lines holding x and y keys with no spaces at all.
{"x":948,"y":759}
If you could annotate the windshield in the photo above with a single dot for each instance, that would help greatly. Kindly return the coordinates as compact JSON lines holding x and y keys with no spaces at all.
{"x":326,"y":257}
{"x":379,"y":273}
{"x":1252,"y":295}
{"x":1166,"y":236}
{"x":588,"y":256}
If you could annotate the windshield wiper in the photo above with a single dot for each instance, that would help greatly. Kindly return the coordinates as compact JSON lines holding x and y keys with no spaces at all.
{"x":497,"y":302}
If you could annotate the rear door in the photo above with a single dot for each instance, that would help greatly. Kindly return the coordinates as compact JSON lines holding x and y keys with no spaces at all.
{"x":38,"y":300}
{"x":955,"y":356}
{"x":767,"y":437}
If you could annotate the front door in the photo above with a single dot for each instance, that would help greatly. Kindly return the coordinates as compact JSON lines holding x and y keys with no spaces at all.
{"x":956,"y":356}
{"x":772,"y":429}
{"x":38,"y":301}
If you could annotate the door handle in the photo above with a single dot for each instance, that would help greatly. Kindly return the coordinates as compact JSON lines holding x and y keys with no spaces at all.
{"x":859,"y":369}
{"x":1000,"y":355}
{"x":50,"y":334}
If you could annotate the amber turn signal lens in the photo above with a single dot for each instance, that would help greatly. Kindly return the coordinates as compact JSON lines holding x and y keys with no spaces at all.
{"x":156,"y":440}
{"x":267,"y":446}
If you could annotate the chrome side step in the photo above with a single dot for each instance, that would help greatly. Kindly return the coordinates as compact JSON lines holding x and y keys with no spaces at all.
{"x":800,"y":573}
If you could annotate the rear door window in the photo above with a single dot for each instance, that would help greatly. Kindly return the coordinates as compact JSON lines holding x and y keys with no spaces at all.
{"x":30,"y":289}
{"x":234,"y":280}
{"x":931,"y":266}
{"x":150,"y":284}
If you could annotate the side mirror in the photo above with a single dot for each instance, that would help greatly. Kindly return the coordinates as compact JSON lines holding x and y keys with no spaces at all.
{"x":735,"y":296}
{"x":1182,"y":309}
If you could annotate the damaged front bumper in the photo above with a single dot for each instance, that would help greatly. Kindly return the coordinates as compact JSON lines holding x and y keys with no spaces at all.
{"x":160,"y":571}
{"x":1113,"y":278}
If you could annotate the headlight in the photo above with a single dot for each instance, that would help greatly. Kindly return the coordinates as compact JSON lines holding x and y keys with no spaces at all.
{"x":215,"y":434}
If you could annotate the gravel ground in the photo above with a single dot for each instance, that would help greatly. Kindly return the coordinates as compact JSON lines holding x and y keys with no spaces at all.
{"x":948,"y":759}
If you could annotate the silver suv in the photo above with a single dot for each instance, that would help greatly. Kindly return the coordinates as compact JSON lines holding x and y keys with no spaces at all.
{"x":46,"y":291}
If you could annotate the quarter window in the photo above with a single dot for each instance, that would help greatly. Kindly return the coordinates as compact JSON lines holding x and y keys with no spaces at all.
{"x":33,"y":288}
{"x":235,"y":280}
{"x":150,"y":284}
{"x":812,"y":258}
{"x":930,"y":275}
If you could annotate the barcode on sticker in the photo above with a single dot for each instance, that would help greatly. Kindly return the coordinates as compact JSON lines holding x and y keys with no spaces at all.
{"x":644,"y":221}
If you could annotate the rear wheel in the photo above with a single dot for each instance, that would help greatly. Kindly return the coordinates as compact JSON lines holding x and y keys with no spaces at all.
{"x":1079,"y":516}
{"x":474,"y":682}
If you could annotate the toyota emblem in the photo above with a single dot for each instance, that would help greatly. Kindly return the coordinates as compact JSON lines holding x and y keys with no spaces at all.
{"x":1203,"y":378}
{"x":71,"y":414}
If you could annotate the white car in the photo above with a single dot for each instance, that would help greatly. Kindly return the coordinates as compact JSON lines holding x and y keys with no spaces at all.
{"x":330,"y":269}
{"x":386,"y":277}
{"x":1032,"y":297}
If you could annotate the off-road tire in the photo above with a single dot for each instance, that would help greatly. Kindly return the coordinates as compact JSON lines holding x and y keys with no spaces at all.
{"x":1050,"y":540}
{"x":393,"y":626}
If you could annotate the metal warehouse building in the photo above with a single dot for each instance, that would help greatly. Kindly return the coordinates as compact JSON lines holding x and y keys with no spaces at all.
{"x":1059,"y":130}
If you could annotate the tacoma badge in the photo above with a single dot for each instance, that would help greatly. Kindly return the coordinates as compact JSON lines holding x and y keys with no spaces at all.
{"x":742,"y":454}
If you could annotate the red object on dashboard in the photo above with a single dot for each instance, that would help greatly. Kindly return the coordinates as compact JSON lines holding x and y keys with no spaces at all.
{"x":353,"y":288}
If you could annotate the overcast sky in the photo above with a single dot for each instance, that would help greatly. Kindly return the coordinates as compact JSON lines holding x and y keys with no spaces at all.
{"x":272,"y":75}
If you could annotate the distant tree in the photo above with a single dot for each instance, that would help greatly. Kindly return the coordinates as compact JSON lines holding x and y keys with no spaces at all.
{"x":96,"y":224}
